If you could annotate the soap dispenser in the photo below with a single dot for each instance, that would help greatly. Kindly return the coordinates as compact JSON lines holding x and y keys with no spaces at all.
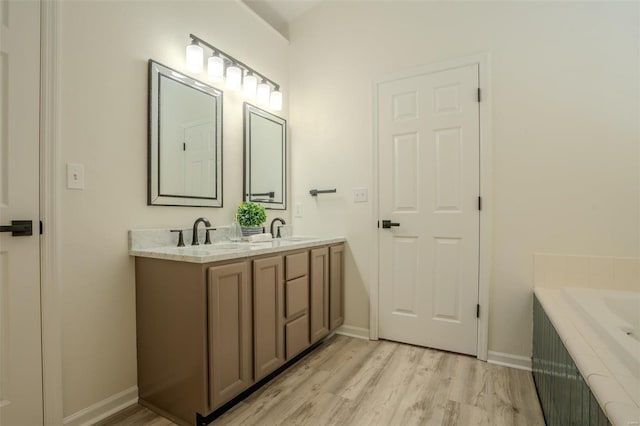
{"x":235,"y":231}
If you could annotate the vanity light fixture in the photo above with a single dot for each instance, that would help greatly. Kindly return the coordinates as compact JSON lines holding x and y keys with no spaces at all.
{"x":237,"y":75}
{"x":250,"y":86}
{"x":195,"y":57}
{"x":263,"y":91}
{"x":234,"y":77}
{"x":215,"y":68}
{"x":275,"y":102}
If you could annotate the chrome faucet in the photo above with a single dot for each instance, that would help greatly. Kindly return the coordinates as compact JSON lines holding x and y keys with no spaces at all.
{"x":194,"y":239}
{"x":273,"y":222}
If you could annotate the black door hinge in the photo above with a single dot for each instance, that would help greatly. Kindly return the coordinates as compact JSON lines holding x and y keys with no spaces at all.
{"x":41,"y":228}
{"x":184,"y":146}
{"x":478,"y":310}
{"x":378,"y":224}
{"x":479,"y":96}
{"x":479,"y":203}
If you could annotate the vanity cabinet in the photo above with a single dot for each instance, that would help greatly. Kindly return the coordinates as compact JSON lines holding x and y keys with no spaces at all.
{"x":194,"y":329}
{"x":297,"y":303}
{"x":268,"y":307}
{"x":229,"y":328}
{"x":319,"y":289}
{"x":206,"y":332}
{"x":336,"y":288}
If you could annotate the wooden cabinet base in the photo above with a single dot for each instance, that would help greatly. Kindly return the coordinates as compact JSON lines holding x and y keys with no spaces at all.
{"x":319,"y":293}
{"x":205,"y":420}
{"x":210,"y":334}
{"x":336,"y":278}
{"x":268,"y":309}
{"x":229,"y":327}
{"x":171,"y":323}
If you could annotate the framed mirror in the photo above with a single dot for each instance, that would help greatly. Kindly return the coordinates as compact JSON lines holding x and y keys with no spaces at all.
{"x":185,"y":140}
{"x":265,"y":155}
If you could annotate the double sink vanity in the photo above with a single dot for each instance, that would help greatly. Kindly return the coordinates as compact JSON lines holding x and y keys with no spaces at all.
{"x":215,"y":320}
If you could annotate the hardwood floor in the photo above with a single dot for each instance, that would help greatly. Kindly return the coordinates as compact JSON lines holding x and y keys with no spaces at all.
{"x":355,"y":382}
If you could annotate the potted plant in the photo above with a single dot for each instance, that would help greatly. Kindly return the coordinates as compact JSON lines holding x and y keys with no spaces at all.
{"x":251,"y":217}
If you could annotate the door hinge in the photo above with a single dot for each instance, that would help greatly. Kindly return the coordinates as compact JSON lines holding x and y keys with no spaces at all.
{"x":378,"y":224}
{"x":478,"y":310}
{"x":479,"y":96}
{"x":479,"y":203}
{"x":184,"y":146}
{"x":41,"y":228}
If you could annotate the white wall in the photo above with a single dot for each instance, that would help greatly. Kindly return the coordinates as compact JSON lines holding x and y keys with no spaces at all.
{"x":565,"y":131}
{"x":104,"y":51}
{"x":602,"y":272}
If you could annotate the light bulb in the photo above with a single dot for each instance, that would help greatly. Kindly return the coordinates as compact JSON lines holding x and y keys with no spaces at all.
{"x":249,"y":86}
{"x":275,"y":103}
{"x":234,"y":77}
{"x":215,"y":69}
{"x":263,"y":93}
{"x":195,"y":57}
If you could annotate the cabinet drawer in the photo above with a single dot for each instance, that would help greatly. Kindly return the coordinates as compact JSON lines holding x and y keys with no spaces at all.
{"x":297,"y":334}
{"x":297,"y":265}
{"x":297,"y":296}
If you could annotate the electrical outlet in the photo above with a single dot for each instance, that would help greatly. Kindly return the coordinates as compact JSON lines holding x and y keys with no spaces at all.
{"x":360,"y":195}
{"x":299,"y":210}
{"x":75,"y":176}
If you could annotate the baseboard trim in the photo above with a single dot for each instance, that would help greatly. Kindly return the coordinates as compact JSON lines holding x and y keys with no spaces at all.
{"x":103,"y":409}
{"x":351,"y":331}
{"x":509,"y":360}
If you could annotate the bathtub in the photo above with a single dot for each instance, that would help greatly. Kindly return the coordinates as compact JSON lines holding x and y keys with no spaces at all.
{"x":615,"y":317}
{"x":600,"y":330}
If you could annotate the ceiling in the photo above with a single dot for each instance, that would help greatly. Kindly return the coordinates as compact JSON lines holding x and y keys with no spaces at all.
{"x":291,"y":9}
{"x":280,"y":13}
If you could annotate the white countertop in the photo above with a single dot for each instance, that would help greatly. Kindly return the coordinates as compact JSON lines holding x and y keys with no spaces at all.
{"x":219,"y":251}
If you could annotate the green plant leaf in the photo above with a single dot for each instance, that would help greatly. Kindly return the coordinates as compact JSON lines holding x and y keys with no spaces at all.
{"x":251,"y":214}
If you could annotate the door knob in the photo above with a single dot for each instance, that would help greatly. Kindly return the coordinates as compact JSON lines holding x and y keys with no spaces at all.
{"x":19,"y":228}
{"x":386,"y":224}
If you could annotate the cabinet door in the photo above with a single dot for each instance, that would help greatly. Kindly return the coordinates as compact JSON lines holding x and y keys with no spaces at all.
{"x":229,"y":332}
{"x":296,"y":296}
{"x":268,"y":324}
{"x":297,"y":336}
{"x":336,"y":278}
{"x":297,"y":265}
{"x":319,"y":294}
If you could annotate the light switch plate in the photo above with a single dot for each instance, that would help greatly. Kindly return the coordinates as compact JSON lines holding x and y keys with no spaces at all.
{"x":360,"y":195}
{"x":75,"y":176}
{"x":299,"y":210}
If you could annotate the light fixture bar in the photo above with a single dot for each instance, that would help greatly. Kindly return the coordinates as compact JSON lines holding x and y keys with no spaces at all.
{"x":233,"y":60}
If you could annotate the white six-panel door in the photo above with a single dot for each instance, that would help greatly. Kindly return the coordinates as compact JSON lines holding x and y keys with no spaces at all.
{"x":20,"y":336}
{"x":428,"y":141}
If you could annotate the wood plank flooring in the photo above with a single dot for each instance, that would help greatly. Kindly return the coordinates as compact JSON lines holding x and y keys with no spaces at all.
{"x":356,"y":382}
